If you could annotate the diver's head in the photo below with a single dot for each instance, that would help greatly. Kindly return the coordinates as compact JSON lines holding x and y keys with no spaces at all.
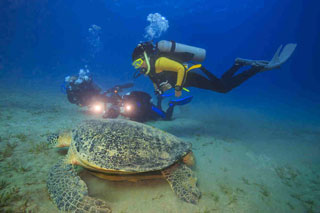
{"x":142,"y":49}
{"x":141,"y":65}
{"x":140,"y":58}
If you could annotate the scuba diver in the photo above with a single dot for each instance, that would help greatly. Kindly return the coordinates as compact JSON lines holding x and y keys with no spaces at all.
{"x":81,"y":90}
{"x":166,"y":64}
{"x":139,"y":107}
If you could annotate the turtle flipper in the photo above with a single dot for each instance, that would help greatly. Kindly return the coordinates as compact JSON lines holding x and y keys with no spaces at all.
{"x":183,"y":182}
{"x":70,"y":193}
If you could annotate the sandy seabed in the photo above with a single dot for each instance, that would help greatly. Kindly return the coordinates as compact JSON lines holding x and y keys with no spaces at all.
{"x":242,"y":165}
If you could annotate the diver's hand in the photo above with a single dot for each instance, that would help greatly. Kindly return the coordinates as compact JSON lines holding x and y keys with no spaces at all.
{"x":158,"y":92}
{"x":177,"y":93}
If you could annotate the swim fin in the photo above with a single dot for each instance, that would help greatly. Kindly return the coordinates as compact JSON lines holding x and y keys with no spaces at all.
{"x":167,"y":95}
{"x":181,"y":101}
{"x":279,"y":58}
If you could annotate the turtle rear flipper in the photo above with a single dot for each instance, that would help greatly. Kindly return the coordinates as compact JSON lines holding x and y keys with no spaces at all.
{"x":70,"y":193}
{"x":183,"y":182}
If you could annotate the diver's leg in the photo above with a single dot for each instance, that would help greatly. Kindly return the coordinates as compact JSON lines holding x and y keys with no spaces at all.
{"x":169,"y":111}
{"x":223,"y":85}
{"x":159,"y":101}
{"x":173,"y":103}
{"x":201,"y":82}
{"x":232,"y":82}
{"x":228,"y":74}
{"x":157,"y":113}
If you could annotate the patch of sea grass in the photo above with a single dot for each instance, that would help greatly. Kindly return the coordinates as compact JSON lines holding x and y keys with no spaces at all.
{"x":3,"y":184}
{"x":26,"y":205}
{"x":37,"y":148}
{"x":309,"y":204}
{"x":3,"y":139}
{"x":21,"y":136}
{"x":159,"y":196}
{"x":228,"y":191}
{"x":287,"y":174}
{"x":224,"y":169}
{"x":9,"y":196}
{"x":240,"y":191}
{"x":245,"y":180}
{"x":7,"y":151}
{"x":17,"y":166}
{"x":215,"y":197}
{"x":297,"y":196}
{"x":40,"y":110}
{"x":290,"y":206}
{"x":263,"y":190}
{"x":206,"y":210}
{"x":21,"y":168}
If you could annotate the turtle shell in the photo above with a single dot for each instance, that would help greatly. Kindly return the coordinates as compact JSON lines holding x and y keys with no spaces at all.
{"x":117,"y":145}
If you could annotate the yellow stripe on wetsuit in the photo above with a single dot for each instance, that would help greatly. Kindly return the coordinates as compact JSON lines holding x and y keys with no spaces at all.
{"x":166,"y":64}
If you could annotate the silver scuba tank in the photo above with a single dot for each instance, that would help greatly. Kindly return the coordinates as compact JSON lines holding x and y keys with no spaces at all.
{"x":199,"y":54}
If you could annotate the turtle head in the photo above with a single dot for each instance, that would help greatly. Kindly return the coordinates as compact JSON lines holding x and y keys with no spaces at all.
{"x":53,"y":139}
{"x":60,"y":140}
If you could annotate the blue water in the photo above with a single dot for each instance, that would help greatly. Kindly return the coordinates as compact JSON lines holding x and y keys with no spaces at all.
{"x":42,"y":42}
{"x":50,"y":38}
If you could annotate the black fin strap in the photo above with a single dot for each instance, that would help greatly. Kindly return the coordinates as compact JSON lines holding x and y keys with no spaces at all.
{"x":173,"y":46}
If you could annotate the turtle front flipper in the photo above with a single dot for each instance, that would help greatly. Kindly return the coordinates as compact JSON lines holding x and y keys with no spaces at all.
{"x":70,"y":193}
{"x":183,"y":182}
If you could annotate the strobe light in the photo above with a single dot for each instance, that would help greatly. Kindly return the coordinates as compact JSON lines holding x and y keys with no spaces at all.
{"x":97,"y":108}
{"x":128,"y":107}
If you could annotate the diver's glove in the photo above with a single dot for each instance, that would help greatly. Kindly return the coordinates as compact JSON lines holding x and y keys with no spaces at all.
{"x":158,"y":92}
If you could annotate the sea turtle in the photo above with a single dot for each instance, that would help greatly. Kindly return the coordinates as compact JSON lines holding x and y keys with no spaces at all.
{"x":118,"y":149}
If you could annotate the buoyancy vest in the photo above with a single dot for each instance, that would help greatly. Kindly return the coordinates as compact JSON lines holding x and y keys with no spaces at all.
{"x":164,"y":77}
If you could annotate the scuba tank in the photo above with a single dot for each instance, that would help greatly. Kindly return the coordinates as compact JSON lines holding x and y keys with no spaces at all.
{"x":190,"y":52}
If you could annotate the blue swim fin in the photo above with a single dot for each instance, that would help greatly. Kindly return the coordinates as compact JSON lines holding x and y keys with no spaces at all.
{"x":181,"y":101}
{"x":167,"y":95}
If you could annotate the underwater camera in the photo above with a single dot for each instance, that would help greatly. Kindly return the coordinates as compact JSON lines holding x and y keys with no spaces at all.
{"x":114,"y":100}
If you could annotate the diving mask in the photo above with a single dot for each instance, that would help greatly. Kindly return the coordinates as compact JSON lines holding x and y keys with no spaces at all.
{"x":137,"y":63}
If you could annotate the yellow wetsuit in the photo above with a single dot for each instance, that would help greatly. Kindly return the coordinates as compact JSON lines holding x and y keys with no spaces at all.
{"x":166,"y":64}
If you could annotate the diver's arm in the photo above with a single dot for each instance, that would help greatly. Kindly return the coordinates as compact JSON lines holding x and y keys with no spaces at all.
{"x":155,"y":86}
{"x":157,"y":90}
{"x":167,"y":64}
